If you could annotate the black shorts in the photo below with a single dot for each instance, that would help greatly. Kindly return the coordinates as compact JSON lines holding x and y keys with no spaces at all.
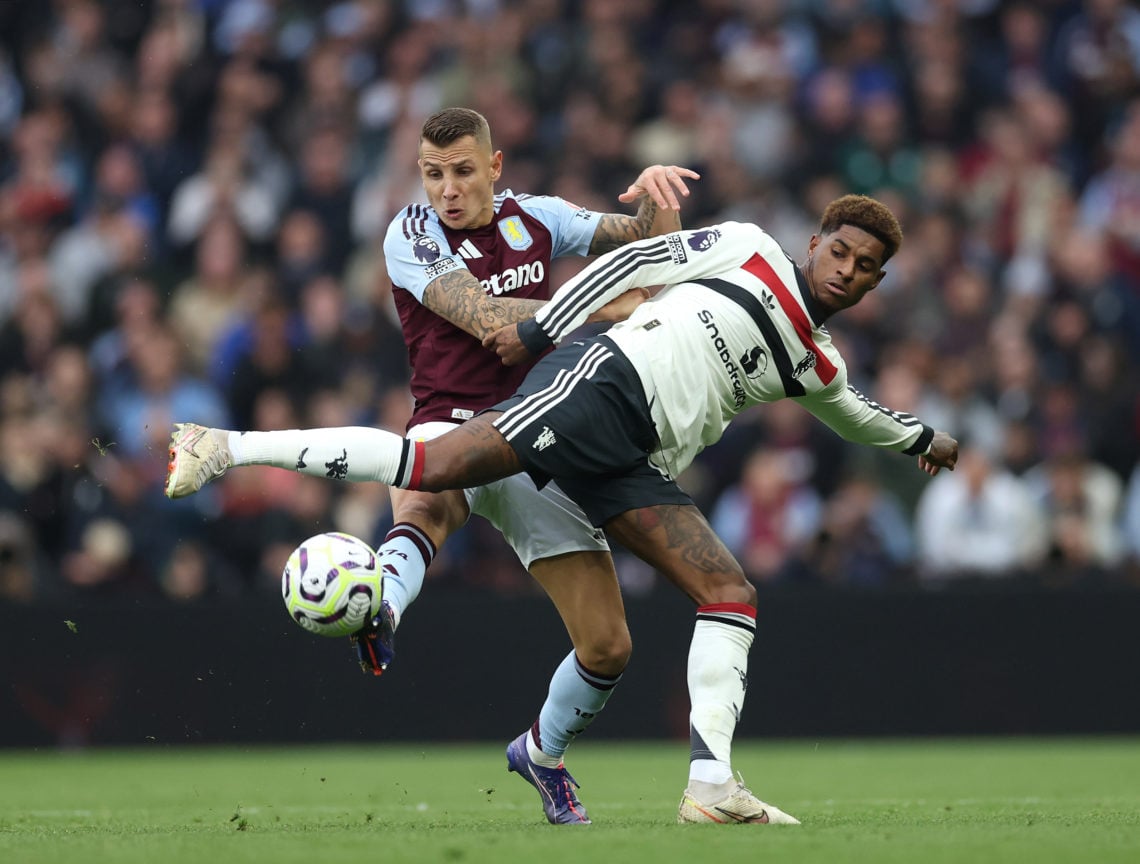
{"x":581,"y":418}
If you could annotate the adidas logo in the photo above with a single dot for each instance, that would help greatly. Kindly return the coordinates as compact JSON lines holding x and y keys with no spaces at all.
{"x":545,"y":438}
{"x":468,"y":250}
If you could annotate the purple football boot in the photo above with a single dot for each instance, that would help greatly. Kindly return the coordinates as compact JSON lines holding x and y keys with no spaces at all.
{"x":555,"y":785}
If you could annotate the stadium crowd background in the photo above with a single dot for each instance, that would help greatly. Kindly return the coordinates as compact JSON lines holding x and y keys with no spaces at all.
{"x":193,"y":192}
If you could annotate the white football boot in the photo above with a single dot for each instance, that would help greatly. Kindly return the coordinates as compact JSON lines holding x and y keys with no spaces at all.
{"x":197,"y":456}
{"x":739,"y":806}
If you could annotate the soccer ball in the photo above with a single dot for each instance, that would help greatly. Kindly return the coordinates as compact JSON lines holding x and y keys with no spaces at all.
{"x":331,"y":584}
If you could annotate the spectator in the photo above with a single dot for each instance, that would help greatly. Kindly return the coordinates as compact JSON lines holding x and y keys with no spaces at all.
{"x":828,"y":121}
{"x":35,"y":326}
{"x":1080,"y":500}
{"x":1111,"y":200}
{"x":86,"y":65}
{"x":1110,"y":399}
{"x":225,"y":188}
{"x":672,"y":137}
{"x":204,"y":305}
{"x":766,"y":518}
{"x":1097,"y":57}
{"x":1020,"y":58}
{"x":880,"y":156}
{"x":864,"y":539}
{"x":133,"y":415}
{"x":958,"y":406}
{"x":300,"y":252}
{"x":111,"y":238}
{"x":325,"y":189}
{"x":940,"y":99}
{"x":979,"y":522}
{"x":1012,"y":191}
{"x":136,"y":413}
{"x":326,"y":98}
{"x":394,"y":181}
{"x":251,"y":145}
{"x":269,"y":363}
{"x":163,"y":156}
{"x":136,"y":311}
{"x":406,"y":93}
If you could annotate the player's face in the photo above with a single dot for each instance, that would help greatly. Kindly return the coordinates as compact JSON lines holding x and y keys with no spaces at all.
{"x":460,"y":181}
{"x":843,"y":266}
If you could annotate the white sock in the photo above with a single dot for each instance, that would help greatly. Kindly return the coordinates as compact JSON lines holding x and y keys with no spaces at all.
{"x":355,"y":453}
{"x":718,"y":679}
{"x":536,"y":754}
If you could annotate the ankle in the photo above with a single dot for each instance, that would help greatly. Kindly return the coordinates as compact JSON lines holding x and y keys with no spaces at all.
{"x":710,"y":793}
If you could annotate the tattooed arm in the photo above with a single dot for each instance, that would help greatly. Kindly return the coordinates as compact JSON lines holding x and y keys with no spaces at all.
{"x":659,"y":212}
{"x":460,"y":298}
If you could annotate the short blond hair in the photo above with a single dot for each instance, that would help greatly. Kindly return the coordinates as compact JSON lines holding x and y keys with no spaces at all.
{"x":445,"y":127}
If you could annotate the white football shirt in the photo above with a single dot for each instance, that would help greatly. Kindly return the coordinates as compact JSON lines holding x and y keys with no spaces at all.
{"x":733,"y":327}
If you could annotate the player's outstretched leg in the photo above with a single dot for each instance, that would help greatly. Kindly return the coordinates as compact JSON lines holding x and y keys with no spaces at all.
{"x":351,"y":453}
{"x":555,"y":785}
{"x":197,"y":456}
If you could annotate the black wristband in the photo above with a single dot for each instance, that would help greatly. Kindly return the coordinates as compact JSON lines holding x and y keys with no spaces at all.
{"x":920,"y":446}
{"x":534,"y":337}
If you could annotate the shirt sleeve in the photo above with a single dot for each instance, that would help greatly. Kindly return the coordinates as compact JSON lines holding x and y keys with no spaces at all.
{"x":416,"y":252}
{"x":667,"y":259}
{"x":855,"y":417}
{"x":571,"y":227}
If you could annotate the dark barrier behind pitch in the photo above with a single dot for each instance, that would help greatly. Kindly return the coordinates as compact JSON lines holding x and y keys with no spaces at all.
{"x":472,"y":666}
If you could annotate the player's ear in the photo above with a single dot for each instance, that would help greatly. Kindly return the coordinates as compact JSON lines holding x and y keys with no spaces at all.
{"x":815,"y":238}
{"x":878,"y":279}
{"x":497,"y":165}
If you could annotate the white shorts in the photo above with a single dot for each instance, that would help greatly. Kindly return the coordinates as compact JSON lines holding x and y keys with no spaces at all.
{"x":535,"y":523}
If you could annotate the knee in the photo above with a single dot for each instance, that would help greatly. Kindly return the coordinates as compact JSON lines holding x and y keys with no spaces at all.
{"x":439,"y":514}
{"x":606,"y":654}
{"x":732,"y":587}
{"x":747,"y":593}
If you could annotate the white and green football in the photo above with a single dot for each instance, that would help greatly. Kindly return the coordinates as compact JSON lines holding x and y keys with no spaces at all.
{"x":331,"y":584}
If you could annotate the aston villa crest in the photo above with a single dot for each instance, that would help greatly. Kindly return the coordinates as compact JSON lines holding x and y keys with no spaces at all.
{"x":515,"y":233}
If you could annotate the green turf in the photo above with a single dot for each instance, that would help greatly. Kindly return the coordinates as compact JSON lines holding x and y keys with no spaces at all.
{"x":920,"y":802}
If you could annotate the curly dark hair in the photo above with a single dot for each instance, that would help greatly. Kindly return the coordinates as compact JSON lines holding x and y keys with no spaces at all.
{"x":449,"y":125}
{"x":870,"y":215}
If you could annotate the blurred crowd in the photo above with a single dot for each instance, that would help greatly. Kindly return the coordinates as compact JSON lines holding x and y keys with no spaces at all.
{"x":193,"y":194}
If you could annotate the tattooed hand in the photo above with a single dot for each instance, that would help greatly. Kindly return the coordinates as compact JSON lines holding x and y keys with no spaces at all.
{"x":657,"y":187}
{"x":661,"y":183}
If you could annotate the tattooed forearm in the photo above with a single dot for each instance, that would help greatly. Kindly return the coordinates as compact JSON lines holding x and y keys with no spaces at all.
{"x":460,"y":298}
{"x":615,"y":230}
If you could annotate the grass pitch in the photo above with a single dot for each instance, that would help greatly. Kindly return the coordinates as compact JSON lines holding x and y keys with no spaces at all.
{"x":1034,"y":800}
